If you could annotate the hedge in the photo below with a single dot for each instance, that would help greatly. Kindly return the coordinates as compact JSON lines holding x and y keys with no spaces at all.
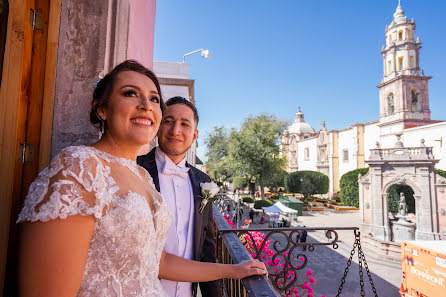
{"x":262,"y":203}
{"x":349,"y":193}
{"x":247,"y":199}
{"x":441,"y":172}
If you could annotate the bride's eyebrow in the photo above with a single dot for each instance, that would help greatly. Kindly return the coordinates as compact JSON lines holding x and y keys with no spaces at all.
{"x":130,"y":86}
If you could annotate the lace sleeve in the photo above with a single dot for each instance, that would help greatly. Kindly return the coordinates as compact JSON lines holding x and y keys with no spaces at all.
{"x":75,"y":183}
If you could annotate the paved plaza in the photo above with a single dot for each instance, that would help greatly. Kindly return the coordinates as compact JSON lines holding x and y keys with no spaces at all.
{"x":328,"y":264}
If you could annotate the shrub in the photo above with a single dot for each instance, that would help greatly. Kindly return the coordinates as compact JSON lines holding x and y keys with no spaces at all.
{"x":349,"y":194}
{"x":247,"y":199}
{"x":307,"y":182}
{"x":262,"y":203}
{"x":440,"y":172}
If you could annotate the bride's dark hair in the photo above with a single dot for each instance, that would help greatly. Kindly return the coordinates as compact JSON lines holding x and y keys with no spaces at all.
{"x":104,"y":88}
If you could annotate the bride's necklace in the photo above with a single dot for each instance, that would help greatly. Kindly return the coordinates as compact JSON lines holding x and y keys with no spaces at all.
{"x":130,"y":164}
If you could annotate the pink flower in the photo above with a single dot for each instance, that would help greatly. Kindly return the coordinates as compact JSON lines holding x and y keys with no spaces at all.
{"x":312,"y":280}
{"x":309,"y":273}
{"x":301,"y":259}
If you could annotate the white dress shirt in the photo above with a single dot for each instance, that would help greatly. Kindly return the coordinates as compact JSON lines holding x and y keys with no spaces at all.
{"x":176,"y":189}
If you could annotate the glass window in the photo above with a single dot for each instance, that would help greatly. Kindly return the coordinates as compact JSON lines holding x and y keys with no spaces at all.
{"x":345,"y":155}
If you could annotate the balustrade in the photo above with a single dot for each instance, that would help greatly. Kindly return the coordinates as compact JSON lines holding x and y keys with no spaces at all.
{"x":286,"y":246}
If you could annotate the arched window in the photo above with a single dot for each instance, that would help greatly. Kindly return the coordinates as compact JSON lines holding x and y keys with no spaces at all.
{"x":415,"y":100}
{"x":4,"y":11}
{"x":400,"y":35}
{"x":400,"y":63}
{"x":390,"y":104}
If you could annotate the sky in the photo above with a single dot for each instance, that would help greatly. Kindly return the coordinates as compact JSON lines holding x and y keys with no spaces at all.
{"x":274,"y":56}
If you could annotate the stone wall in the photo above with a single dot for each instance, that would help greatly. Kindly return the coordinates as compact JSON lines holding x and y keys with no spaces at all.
{"x":80,"y":60}
{"x":94,"y":37}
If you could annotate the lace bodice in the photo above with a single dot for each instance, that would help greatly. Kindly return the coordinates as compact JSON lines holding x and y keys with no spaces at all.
{"x":130,"y":226}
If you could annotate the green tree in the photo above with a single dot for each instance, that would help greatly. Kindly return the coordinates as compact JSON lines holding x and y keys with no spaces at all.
{"x":254,"y":151}
{"x":239,"y":182}
{"x":276,"y":177}
{"x":217,"y":154}
{"x":349,"y":186}
{"x":307,"y":182}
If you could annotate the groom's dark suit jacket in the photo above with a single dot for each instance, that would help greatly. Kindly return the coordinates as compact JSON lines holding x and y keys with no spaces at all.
{"x":204,"y":242}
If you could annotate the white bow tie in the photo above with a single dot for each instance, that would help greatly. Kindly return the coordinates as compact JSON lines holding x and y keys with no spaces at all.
{"x":170,"y":169}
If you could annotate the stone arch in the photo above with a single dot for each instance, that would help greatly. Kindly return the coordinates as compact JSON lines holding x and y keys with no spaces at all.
{"x":416,"y":102}
{"x":390,"y":103}
{"x":405,"y":181}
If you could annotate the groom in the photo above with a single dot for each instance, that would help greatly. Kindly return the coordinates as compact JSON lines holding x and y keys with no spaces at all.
{"x":191,"y":233}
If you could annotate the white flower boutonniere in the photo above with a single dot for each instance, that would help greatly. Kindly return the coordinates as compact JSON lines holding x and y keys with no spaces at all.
{"x":208,"y":190}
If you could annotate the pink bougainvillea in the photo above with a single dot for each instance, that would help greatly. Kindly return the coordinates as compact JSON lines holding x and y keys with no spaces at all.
{"x":276,"y":264}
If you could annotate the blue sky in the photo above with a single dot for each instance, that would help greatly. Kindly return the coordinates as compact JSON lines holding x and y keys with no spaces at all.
{"x":274,"y":56}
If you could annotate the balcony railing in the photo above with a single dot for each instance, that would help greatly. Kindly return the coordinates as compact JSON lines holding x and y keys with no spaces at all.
{"x":285,"y":243}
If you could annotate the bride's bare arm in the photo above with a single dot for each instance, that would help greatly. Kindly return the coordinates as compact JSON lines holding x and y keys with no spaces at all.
{"x":179,"y":269}
{"x":52,"y":256}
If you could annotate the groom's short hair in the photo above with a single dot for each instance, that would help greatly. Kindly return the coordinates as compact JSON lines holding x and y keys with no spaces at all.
{"x":182,"y":100}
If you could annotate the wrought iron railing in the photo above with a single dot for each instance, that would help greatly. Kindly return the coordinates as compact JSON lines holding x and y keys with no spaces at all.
{"x":286,"y":246}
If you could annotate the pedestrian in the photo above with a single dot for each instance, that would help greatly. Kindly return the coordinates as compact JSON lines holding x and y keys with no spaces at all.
{"x":251,"y":215}
{"x":233,"y":213}
{"x":303,"y":239}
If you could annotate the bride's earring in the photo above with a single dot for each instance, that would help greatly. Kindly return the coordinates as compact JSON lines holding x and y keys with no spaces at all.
{"x":102,"y":125}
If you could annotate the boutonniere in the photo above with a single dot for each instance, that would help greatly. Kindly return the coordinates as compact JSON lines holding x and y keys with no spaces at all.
{"x":209,"y":191}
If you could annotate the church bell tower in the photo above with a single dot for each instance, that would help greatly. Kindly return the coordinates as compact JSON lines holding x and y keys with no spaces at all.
{"x":403,"y":92}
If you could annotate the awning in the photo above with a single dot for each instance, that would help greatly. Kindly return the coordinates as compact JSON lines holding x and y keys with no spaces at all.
{"x":279,"y":208}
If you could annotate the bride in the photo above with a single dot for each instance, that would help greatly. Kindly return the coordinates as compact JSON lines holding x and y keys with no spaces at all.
{"x":93,"y":222}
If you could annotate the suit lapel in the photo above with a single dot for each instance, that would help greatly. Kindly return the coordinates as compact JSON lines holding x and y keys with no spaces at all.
{"x":196,"y":188}
{"x":149,"y":163}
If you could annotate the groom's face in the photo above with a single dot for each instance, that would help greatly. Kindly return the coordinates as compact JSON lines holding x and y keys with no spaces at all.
{"x":177,"y":132}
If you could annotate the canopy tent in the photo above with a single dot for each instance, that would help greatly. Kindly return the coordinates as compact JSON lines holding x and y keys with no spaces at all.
{"x":279,"y":208}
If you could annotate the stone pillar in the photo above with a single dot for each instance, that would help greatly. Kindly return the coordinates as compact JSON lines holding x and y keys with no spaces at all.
{"x":378,"y":218}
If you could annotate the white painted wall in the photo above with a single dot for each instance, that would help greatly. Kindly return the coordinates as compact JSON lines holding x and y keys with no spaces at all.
{"x":371,"y":136}
{"x":311,"y":162}
{"x":171,"y":69}
{"x":434,"y":136}
{"x":347,"y":140}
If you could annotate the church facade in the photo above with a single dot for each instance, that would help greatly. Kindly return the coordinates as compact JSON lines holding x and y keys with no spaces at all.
{"x":404,"y":114}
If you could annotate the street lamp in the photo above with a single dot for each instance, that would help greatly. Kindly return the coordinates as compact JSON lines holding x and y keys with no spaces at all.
{"x":204,"y":53}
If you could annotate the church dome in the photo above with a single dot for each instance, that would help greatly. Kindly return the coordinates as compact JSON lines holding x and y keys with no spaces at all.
{"x":299,"y":126}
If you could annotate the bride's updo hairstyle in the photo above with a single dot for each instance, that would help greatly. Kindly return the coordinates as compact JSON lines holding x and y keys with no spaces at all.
{"x":104,"y":88}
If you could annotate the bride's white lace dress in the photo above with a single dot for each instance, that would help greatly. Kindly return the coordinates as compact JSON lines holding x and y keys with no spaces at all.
{"x":130,"y":226}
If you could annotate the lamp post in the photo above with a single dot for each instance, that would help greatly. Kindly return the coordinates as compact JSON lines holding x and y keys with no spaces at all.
{"x":204,"y":53}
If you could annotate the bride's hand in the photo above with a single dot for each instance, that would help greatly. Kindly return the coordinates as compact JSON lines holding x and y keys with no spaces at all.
{"x":248,"y":268}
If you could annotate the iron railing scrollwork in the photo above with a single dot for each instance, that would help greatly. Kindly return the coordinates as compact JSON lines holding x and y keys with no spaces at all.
{"x":286,"y":246}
